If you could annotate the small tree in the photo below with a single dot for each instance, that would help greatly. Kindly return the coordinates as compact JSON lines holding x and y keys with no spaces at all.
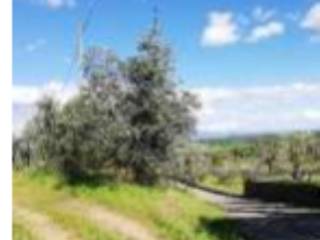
{"x":299,"y":154}
{"x":158,"y":114}
{"x":269,"y":149}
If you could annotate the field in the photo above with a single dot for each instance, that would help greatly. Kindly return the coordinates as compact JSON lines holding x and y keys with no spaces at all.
{"x":111,"y":212}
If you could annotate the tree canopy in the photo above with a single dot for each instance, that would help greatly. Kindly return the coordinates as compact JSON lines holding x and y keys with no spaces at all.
{"x":126,"y":121}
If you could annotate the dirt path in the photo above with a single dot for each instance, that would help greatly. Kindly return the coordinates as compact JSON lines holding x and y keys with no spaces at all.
{"x":266,"y":221}
{"x":108,"y":220}
{"x":40,"y":225}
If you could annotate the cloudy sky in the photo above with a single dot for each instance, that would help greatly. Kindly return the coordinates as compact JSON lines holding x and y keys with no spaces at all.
{"x":254,"y":64}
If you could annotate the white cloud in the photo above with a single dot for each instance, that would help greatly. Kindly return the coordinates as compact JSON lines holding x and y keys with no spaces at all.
{"x":37,"y":44}
{"x":226,"y":28}
{"x":258,"y":109}
{"x":224,"y":111}
{"x":312,"y":19}
{"x":61,"y":3}
{"x":221,"y":30}
{"x":24,"y":94}
{"x":260,"y":14}
{"x":24,"y":98}
{"x":56,"y":4}
{"x":312,"y":114}
{"x":268,"y":30}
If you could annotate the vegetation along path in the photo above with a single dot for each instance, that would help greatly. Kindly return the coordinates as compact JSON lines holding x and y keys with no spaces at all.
{"x":266,"y":221}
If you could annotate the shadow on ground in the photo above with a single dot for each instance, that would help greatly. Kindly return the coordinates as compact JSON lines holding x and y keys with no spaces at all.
{"x":225,"y":229}
{"x":257,"y":220}
{"x":265,"y":221}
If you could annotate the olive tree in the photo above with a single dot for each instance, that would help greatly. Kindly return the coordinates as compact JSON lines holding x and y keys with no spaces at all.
{"x":128,"y":117}
{"x":158,"y":114}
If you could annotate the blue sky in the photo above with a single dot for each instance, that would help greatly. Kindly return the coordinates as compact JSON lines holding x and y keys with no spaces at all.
{"x":219,"y":45}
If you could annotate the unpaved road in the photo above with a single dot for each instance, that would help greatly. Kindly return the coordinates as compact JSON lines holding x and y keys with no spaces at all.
{"x":266,"y":221}
{"x":43,"y":228}
{"x":109,"y":220}
{"x":40,"y":225}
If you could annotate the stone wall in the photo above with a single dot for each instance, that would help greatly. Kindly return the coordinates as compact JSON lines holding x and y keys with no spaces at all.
{"x":300,"y":194}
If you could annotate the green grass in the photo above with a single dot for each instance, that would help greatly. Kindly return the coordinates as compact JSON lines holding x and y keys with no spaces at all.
{"x":21,"y":233}
{"x":170,"y":213}
{"x":233,"y":185}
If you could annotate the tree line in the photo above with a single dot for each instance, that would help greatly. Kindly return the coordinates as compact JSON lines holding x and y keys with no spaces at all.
{"x":294,"y":156}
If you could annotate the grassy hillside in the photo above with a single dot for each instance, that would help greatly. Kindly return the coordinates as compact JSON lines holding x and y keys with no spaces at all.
{"x":166,"y":212}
